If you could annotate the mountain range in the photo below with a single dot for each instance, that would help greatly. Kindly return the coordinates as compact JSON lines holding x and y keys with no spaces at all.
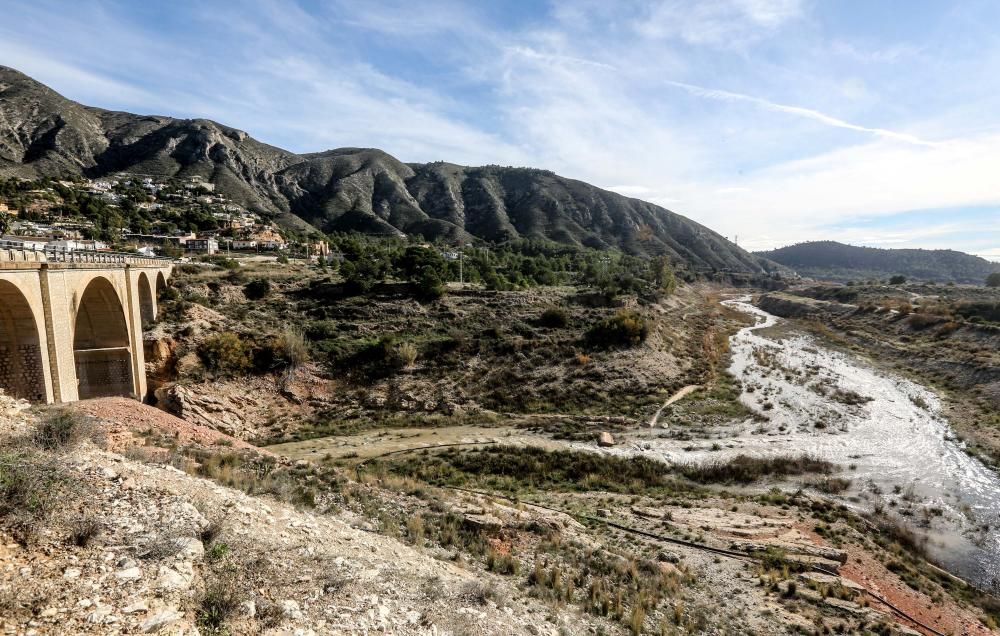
{"x":829,"y":260}
{"x":43,"y":134}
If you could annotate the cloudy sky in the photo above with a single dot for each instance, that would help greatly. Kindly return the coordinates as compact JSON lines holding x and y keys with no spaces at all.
{"x":773,"y":121}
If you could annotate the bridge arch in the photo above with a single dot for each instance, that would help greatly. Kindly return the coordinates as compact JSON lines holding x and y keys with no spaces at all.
{"x":101,"y":343}
{"x":161,"y":284}
{"x":22,"y":373}
{"x":147,"y":307}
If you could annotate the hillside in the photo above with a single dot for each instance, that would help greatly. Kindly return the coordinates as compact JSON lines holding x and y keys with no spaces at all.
{"x":44,"y":134}
{"x":829,"y":260}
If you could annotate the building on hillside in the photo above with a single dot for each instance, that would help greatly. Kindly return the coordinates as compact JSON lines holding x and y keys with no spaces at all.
{"x":33,"y":243}
{"x":268,"y":239}
{"x":319,"y":249}
{"x":77,"y":245}
{"x":197,"y":182}
{"x":243,"y":244}
{"x":206,"y":245}
{"x":151,"y":239}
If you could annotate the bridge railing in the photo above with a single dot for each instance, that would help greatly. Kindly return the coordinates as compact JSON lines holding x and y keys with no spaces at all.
{"x":15,"y":251}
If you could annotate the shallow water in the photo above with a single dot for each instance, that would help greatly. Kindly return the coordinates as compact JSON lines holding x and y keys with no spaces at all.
{"x":885,"y":431}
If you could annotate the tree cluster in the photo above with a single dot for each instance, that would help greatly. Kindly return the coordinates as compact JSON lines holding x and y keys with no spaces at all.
{"x":521,"y":264}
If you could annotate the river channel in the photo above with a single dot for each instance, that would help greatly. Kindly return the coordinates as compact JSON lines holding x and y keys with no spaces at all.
{"x":886,"y":433}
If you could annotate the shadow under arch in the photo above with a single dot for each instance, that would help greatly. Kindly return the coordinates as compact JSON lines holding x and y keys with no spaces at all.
{"x":161,"y":284}
{"x":21,"y":372}
{"x":147,"y":310}
{"x":101,"y":343}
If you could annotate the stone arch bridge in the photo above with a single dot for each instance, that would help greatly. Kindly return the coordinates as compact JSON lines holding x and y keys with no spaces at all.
{"x":71,"y":323}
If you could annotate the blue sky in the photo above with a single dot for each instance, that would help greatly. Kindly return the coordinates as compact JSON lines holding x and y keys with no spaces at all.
{"x":773,"y":121}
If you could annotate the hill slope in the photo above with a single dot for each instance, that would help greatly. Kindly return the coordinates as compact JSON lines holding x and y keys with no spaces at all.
{"x":830,"y":260}
{"x":44,"y":134}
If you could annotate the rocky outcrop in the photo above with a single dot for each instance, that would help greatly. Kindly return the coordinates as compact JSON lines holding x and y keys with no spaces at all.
{"x":790,"y":306}
{"x":230,"y":416}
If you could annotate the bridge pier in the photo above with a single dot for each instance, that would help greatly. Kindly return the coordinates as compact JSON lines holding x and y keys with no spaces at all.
{"x":72,"y":329}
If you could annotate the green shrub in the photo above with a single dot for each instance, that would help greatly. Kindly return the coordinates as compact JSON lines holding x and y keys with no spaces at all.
{"x":429,"y":285}
{"x":218,"y":603}
{"x":221,"y":262}
{"x":288,"y":350}
{"x":29,"y":485}
{"x":663,"y":275}
{"x":554,"y":318}
{"x":257,"y":289}
{"x":168,"y":294}
{"x":744,"y":469}
{"x":225,"y":354}
{"x":32,"y":489}
{"x":625,"y":329}
{"x":405,"y":354}
{"x":62,"y":429}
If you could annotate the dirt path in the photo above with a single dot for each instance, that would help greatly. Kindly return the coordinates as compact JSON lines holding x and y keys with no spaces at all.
{"x":681,"y":393}
{"x":375,"y":443}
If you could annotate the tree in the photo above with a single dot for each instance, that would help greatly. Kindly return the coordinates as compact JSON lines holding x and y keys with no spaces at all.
{"x":663,"y":274}
{"x":429,"y":285}
{"x":416,"y":259}
{"x":993,"y":280}
{"x":4,"y":223}
{"x":897,"y":280}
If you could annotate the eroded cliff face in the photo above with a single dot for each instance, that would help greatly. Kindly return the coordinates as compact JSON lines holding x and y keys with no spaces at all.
{"x":792,"y":306}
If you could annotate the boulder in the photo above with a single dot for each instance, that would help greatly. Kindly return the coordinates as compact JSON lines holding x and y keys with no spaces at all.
{"x":605,"y":439}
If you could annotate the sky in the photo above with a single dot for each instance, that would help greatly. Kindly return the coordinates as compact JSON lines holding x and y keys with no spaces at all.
{"x":770,"y":121}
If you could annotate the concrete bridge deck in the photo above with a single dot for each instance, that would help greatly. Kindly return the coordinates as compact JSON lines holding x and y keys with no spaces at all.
{"x":71,"y":322}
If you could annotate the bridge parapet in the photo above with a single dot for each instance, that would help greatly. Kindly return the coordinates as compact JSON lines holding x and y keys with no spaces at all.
{"x":16,"y":253}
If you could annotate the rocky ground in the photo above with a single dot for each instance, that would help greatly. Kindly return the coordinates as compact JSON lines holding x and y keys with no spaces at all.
{"x":171,"y":552}
{"x":144,"y":539}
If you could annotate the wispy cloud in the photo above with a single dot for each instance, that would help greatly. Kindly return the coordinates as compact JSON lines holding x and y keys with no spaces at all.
{"x":797,"y":111}
{"x":796,"y":147}
{"x":724,"y":23}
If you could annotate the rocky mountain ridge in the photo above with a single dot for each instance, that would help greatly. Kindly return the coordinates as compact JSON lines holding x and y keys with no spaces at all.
{"x":43,"y":134}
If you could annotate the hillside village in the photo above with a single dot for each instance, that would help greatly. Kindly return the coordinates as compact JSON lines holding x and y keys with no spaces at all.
{"x":138,"y":213}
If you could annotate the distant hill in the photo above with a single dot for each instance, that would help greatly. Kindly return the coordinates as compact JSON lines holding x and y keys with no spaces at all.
{"x":829,"y":260}
{"x":43,"y":134}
